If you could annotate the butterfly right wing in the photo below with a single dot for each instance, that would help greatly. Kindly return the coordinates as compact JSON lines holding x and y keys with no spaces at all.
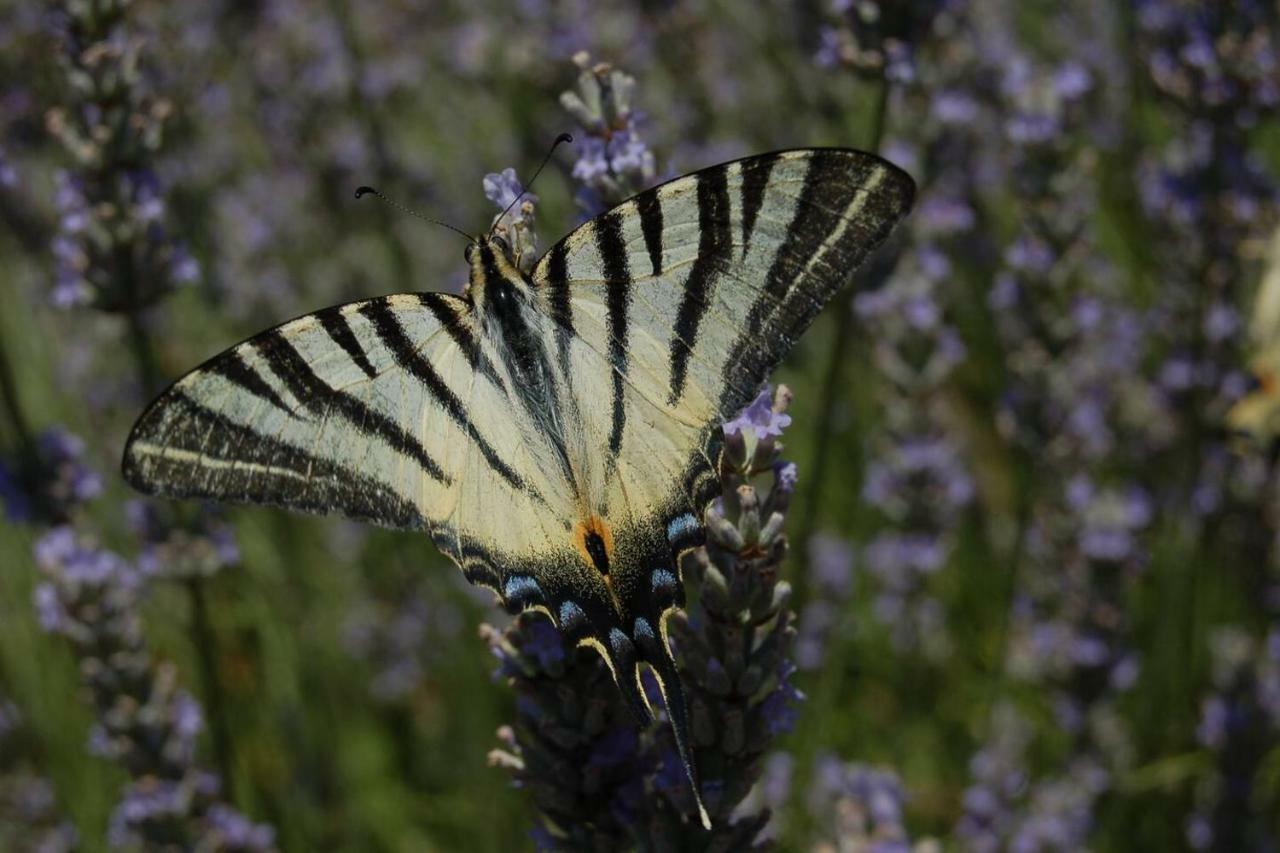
{"x":673,"y":307}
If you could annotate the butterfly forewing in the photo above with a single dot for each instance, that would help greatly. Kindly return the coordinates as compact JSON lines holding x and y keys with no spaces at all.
{"x":365,"y":409}
{"x":685,"y":297}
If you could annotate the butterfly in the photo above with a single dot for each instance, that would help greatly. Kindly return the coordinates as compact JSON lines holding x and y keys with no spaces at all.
{"x":555,"y":433}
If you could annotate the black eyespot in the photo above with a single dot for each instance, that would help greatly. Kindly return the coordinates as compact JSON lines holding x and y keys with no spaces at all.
{"x":466,"y":253}
{"x":594,"y":544}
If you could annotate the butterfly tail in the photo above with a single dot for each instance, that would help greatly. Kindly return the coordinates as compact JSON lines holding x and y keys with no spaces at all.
{"x":634,"y":696}
{"x":621,"y":657}
{"x":664,"y":668}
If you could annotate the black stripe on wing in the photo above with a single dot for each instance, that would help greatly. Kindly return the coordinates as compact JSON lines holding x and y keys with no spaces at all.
{"x":233,"y":368}
{"x":650,"y":207}
{"x":446,"y":310}
{"x":334,"y":322}
{"x":305,"y":385}
{"x":714,"y":246}
{"x":406,"y":355}
{"x":617,"y":275}
{"x":561,"y":309}
{"x":827,"y":190}
{"x":755,"y":178}
{"x":242,"y":464}
{"x":795,"y":288}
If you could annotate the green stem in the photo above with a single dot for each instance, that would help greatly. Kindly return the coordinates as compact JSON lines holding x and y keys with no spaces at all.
{"x":383,"y":167}
{"x":31,"y":230}
{"x":1004,"y":627}
{"x":13,"y":406}
{"x":144,"y":355}
{"x":207,"y":653}
{"x":831,"y":383}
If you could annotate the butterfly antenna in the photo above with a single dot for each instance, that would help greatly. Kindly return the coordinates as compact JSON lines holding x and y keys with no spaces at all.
{"x":560,"y":140}
{"x":361,"y":192}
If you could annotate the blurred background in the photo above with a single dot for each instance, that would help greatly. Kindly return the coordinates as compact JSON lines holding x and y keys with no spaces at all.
{"x":1033,"y":542}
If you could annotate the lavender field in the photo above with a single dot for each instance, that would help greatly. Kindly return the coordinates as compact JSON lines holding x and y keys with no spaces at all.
{"x":1009,"y":575}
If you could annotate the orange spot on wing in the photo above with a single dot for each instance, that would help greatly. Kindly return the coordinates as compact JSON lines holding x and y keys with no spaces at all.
{"x":597,"y":525}
{"x":1267,"y":379}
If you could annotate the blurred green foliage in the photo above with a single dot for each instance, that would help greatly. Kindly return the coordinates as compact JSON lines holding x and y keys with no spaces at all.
{"x":311,"y":750}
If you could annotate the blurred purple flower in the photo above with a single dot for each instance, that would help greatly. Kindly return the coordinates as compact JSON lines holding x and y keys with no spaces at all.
{"x":503,"y":188}
{"x":514,"y":222}
{"x":759,"y":418}
{"x":1238,"y":716}
{"x":858,"y":807}
{"x":48,"y":487}
{"x":614,"y":162}
{"x":401,"y":639}
{"x":145,"y":723}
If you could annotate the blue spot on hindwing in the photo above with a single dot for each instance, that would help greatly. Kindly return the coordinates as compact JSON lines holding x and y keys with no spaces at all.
{"x":519,"y":588}
{"x":643,"y":630}
{"x":620,"y":642}
{"x":571,"y":616}
{"x":681,"y":526}
{"x":663,"y":581}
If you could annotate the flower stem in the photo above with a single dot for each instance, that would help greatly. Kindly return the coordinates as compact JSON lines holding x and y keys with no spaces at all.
{"x":831,"y":383}
{"x":206,"y":642}
{"x":13,"y":406}
{"x":383,"y":168}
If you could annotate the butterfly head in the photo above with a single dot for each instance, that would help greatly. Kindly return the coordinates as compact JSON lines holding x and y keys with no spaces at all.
{"x":496,"y":243}
{"x":495,"y":278}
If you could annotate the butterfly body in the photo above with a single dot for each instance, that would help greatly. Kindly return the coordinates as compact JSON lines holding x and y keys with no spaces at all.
{"x":557,"y":432}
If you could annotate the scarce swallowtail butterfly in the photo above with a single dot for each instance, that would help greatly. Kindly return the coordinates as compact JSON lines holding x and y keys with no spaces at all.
{"x":556,"y":433}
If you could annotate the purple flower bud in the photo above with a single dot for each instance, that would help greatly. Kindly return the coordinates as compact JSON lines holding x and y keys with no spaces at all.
{"x":502,"y":188}
{"x":831,"y":564}
{"x":1072,"y":80}
{"x":760,"y":418}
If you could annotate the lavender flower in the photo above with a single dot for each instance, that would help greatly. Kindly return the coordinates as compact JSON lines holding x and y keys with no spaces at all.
{"x":112,"y":249}
{"x":199,"y":549}
{"x":49,"y":486}
{"x":831,"y":577}
{"x":146,"y":723}
{"x":1006,"y":808}
{"x":1072,"y":389}
{"x":573,"y":745}
{"x":879,"y":39}
{"x":859,"y":808}
{"x":516,"y":225}
{"x":1209,"y":194}
{"x":759,"y":418}
{"x":917,"y":480}
{"x":1239,"y":721}
{"x":614,"y":163}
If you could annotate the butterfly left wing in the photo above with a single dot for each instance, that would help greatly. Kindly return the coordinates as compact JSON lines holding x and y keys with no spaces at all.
{"x":669,"y":311}
{"x":386,"y":410}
